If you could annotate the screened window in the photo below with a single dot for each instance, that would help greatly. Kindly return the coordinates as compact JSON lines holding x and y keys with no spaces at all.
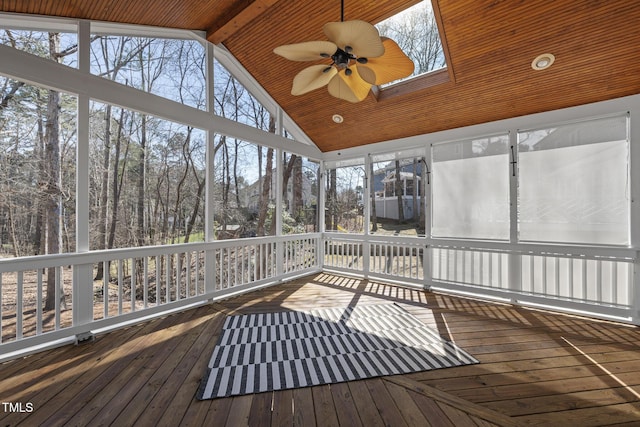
{"x":233,"y":101}
{"x":171,"y":68}
{"x":574,"y":183}
{"x":147,"y":179}
{"x":299,"y":194}
{"x":344,"y":204}
{"x":244,"y":189}
{"x":37,"y":170}
{"x":471,"y":189}
{"x":397,"y":188}
{"x":57,"y":41}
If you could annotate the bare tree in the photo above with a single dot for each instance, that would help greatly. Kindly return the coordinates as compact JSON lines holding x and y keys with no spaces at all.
{"x":51,"y":178}
{"x":331,"y":219}
{"x":416,"y":33}
{"x":265,"y":194}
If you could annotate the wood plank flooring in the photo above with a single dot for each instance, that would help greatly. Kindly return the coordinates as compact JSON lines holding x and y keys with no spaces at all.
{"x":537,"y":368}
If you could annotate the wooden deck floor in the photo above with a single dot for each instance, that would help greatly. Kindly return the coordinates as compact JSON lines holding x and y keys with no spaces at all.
{"x":537,"y":368}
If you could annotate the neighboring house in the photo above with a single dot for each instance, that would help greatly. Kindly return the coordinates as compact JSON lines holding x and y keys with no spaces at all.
{"x":384,"y":187}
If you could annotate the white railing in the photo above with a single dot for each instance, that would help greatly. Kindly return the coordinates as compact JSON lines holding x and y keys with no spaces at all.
{"x":596,"y":281}
{"x":136,"y":283}
{"x":396,"y":259}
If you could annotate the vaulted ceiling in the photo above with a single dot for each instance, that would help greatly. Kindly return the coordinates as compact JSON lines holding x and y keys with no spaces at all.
{"x":489,"y":45}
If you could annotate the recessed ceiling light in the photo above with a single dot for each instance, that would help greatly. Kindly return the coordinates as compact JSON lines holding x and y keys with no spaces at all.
{"x":337,"y":118}
{"x":542,"y":62}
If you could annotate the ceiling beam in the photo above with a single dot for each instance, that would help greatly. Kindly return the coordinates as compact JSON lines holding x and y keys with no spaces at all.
{"x":235,"y":23}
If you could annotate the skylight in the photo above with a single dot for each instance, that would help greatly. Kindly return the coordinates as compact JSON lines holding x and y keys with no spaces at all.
{"x":416,"y":31}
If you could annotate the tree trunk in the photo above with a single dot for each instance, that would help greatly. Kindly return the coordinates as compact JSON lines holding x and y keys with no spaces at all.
{"x":117,"y":182}
{"x":297,"y":188}
{"x":140,"y":230}
{"x":39,"y":241}
{"x":235,"y":173}
{"x":226,"y":183}
{"x":266,"y":190}
{"x":286,"y":175}
{"x":331,"y":216}
{"x":264,"y":195}
{"x":52,"y":178}
{"x":104,"y":190}
{"x":194,"y":213}
{"x":183,"y":179}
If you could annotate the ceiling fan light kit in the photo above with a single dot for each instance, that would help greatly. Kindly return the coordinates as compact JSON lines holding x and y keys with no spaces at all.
{"x":360,"y":58}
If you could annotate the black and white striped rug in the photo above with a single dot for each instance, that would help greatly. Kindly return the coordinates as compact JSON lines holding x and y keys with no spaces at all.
{"x":277,"y":351}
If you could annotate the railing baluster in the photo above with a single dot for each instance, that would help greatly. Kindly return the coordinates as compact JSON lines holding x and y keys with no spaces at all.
{"x":614,"y":282}
{"x":56,"y":281}
{"x":145,"y":290}
{"x":239,"y":265}
{"x":196,"y":274}
{"x":38,"y":303}
{"x":134,"y":284}
{"x":255,"y":262}
{"x":178,"y":277}
{"x":120,"y":290}
{"x":570,"y":278}
{"x":187,"y":274}
{"x":532,"y":275}
{"x":228,"y":251}
{"x":167,"y":268}
{"x":105,"y":289}
{"x":158,"y":280}
{"x":584,"y":278}
{"x":598,"y":280}
{"x":19,"y":304}
{"x":556,"y":277}
{"x":236,"y":267}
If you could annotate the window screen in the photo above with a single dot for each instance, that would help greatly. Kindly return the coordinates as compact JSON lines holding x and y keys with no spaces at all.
{"x":574,"y":183}
{"x":471,"y":189}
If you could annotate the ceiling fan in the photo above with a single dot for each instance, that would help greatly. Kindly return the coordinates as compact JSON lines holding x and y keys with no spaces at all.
{"x":360,"y":58}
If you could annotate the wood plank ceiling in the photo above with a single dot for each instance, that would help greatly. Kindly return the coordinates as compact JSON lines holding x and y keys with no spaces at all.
{"x":490,"y":46}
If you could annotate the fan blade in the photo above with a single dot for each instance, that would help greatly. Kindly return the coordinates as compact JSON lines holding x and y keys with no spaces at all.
{"x":393,"y":65}
{"x":311,"y":78}
{"x":367,"y":74}
{"x":306,"y":51}
{"x":350,"y":88}
{"x":363,"y":37}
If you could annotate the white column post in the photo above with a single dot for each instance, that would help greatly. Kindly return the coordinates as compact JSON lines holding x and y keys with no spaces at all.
{"x":278,"y":208}
{"x":321,"y":214}
{"x":634,"y":214}
{"x":515,"y":259}
{"x":82,"y":298}
{"x":209,"y":205}
{"x":427,"y":254}
{"x":367,"y":200}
